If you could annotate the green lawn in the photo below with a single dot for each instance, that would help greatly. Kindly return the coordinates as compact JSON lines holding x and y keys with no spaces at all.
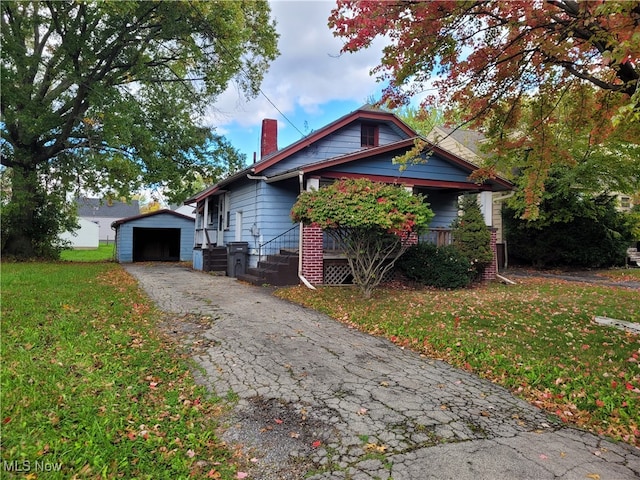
{"x":536,"y":338}
{"x":104,"y":252}
{"x":622,"y":274}
{"x":90,"y":388}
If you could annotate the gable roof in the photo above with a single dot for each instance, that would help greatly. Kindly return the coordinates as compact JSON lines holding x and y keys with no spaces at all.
{"x":471,"y":139}
{"x":463,"y":143}
{"x":367,"y":112}
{"x":164,"y":211}
{"x":97,"y":207}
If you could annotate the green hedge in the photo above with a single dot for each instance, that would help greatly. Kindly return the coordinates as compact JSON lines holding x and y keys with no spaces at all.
{"x":440,"y":267}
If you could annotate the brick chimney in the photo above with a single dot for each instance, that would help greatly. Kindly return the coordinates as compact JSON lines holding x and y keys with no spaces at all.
{"x":269,"y":139}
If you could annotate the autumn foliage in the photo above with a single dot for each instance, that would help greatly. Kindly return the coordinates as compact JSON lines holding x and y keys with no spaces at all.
{"x":372,"y":221}
{"x":512,"y":70}
{"x":478,"y":53}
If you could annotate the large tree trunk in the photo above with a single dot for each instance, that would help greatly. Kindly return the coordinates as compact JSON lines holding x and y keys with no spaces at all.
{"x":18,"y":228}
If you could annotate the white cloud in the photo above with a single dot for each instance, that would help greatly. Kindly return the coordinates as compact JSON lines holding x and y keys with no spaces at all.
{"x":309,"y":72}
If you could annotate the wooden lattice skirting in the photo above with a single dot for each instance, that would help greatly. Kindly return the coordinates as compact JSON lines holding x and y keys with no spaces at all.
{"x":340,"y":274}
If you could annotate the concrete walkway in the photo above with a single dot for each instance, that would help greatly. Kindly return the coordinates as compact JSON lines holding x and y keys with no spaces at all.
{"x":315,"y":397}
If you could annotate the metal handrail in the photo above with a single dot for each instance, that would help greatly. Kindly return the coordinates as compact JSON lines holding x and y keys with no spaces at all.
{"x":286,"y":240}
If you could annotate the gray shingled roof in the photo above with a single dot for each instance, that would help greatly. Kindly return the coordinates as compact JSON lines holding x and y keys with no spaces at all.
{"x":469,"y":138}
{"x":97,"y":207}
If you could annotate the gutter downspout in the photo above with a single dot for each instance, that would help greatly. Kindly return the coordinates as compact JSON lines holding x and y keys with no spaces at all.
{"x":300,"y":276}
{"x":503,"y":197}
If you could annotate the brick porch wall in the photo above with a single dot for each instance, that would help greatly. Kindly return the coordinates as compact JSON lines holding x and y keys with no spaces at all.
{"x":411,"y":239}
{"x":492,"y":270}
{"x":312,"y":264}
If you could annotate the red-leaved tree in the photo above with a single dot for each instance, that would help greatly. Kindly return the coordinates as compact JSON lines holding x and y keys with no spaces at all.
{"x":478,"y":53}
{"x":495,"y":61}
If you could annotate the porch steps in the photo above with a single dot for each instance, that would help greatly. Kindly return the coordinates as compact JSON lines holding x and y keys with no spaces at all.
{"x":279,"y":270}
{"x":634,"y":256}
{"x":214,"y":259}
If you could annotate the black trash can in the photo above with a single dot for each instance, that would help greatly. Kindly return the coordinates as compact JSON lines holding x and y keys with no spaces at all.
{"x":237,"y":258}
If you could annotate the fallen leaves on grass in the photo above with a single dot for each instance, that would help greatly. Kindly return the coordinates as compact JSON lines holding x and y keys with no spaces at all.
{"x":107,"y":380}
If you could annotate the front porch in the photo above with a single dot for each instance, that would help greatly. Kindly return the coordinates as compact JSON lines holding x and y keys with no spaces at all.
{"x":278,"y":261}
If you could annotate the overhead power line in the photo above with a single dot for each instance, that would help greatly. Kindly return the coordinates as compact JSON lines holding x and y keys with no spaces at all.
{"x":247,"y":76}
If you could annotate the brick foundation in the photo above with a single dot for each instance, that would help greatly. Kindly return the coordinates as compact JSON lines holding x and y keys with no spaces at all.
{"x":312,"y":260}
{"x":492,"y":270}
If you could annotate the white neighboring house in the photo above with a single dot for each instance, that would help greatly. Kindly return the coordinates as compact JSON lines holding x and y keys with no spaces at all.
{"x":85,"y":238}
{"x":105,"y":212}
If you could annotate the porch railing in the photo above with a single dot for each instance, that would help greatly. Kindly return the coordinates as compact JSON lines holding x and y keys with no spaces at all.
{"x":285,"y":241}
{"x":289,"y":240}
{"x":330,"y":244}
{"x":205,"y":237}
{"x":436,"y":236}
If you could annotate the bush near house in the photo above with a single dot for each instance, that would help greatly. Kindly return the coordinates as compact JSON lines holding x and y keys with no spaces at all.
{"x":372,"y":221}
{"x":439,"y":267}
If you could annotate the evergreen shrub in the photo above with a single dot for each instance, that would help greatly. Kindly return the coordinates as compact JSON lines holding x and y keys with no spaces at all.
{"x":440,"y":267}
{"x":471,"y":236}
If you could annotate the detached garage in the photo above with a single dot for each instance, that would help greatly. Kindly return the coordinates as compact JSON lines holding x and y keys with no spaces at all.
{"x":160,"y":236}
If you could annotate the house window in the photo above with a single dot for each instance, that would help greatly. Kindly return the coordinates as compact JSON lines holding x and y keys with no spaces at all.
{"x":625,"y":202}
{"x":368,"y":135}
{"x":224,"y":215}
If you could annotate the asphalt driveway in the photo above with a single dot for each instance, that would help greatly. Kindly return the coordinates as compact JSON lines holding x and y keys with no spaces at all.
{"x":317,"y":398}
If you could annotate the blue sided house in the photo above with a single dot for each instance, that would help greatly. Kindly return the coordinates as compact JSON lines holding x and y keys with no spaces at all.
{"x":247,"y":214}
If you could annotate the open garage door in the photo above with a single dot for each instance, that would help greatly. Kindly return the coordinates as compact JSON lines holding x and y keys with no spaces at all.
{"x":156,"y":244}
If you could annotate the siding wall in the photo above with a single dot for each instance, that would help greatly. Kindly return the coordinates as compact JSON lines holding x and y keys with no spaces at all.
{"x":435,"y":168}
{"x":444,"y":205}
{"x":342,"y":142}
{"x":86,"y":237}
{"x":242,"y":198}
{"x":125,"y":235}
{"x":265,"y":212}
{"x":106,"y":233}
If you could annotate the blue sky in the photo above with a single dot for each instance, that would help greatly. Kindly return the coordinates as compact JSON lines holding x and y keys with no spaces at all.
{"x":310,"y":82}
